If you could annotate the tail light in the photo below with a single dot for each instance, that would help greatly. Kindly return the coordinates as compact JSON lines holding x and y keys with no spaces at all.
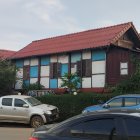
{"x":32,"y":138}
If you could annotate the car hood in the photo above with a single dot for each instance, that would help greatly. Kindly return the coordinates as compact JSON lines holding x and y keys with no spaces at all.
{"x":46,"y":107}
{"x":93,"y":108}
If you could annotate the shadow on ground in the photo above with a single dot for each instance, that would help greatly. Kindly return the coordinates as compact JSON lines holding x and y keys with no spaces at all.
{"x":14,"y":125}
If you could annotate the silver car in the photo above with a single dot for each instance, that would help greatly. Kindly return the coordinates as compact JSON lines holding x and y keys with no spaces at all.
{"x":26,"y":109}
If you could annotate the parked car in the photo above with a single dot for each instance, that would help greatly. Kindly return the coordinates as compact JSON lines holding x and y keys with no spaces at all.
{"x":124,"y":103}
{"x":26,"y":109}
{"x":94,"y":126}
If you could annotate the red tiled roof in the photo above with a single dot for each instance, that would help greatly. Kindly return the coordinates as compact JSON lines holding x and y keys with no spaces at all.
{"x":4,"y":54}
{"x":77,"y":41}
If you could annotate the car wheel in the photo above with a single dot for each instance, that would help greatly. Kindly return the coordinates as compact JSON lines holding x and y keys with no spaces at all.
{"x":36,"y":121}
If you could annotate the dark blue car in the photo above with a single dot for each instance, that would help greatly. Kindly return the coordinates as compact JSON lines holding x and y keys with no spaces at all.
{"x":123,"y":103}
{"x":93,"y":126}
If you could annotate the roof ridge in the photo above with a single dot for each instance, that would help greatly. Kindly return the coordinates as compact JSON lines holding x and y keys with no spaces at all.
{"x":90,"y":30}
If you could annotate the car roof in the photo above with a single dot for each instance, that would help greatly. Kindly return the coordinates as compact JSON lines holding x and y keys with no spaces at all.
{"x":16,"y":96}
{"x":129,"y":95}
{"x":106,"y":112}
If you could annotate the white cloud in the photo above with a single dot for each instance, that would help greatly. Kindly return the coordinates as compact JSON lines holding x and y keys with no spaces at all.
{"x":28,"y":20}
{"x":23,"y":21}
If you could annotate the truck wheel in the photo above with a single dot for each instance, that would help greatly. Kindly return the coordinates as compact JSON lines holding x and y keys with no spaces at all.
{"x":36,"y":121}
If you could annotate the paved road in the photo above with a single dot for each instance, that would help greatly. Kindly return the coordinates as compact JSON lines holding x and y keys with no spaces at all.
{"x":15,"y":132}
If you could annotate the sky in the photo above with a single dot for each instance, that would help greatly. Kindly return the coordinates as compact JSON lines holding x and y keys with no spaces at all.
{"x":23,"y":21}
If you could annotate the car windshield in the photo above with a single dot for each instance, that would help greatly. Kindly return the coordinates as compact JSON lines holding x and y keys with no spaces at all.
{"x":32,"y":101}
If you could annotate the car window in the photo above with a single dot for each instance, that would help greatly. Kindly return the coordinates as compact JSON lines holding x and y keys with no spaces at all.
{"x":138,"y":101}
{"x":32,"y":101}
{"x":115,"y":102}
{"x":128,"y":101}
{"x":7,"y":101}
{"x":133,"y":128}
{"x":19,"y":103}
{"x":103,"y":129}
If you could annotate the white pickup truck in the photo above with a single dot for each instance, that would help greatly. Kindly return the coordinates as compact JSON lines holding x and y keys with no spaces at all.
{"x":26,"y":109}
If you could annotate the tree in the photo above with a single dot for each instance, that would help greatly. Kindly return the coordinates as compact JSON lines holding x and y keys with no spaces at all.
{"x":7,"y":76}
{"x":71,"y":82}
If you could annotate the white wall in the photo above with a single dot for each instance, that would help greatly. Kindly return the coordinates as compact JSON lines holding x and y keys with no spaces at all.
{"x":98,"y":80}
{"x":33,"y":80}
{"x":98,"y":67}
{"x":86,"y":82}
{"x":63,"y":59}
{"x":86,"y":55}
{"x":26,"y":62}
{"x":45,"y":71}
{"x":53,"y":58}
{"x":34,"y":61}
{"x":44,"y":81}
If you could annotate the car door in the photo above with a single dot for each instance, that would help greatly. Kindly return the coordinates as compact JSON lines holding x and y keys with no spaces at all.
{"x":6,"y":109}
{"x":93,"y":129}
{"x":132,"y":126}
{"x":20,"y":113}
{"x":116,"y":104}
{"x":130,"y":105}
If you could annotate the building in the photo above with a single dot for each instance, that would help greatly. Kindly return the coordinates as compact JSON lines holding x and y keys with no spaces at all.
{"x":100,"y":56}
{"x":5,"y":54}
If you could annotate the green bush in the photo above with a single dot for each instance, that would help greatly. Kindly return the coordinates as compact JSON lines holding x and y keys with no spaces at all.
{"x":71,"y":81}
{"x":34,"y":86}
{"x":70,"y":105}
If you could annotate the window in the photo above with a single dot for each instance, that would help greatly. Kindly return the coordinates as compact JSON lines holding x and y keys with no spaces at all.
{"x":116,"y":102}
{"x":64,"y":69}
{"x":101,"y":129}
{"x":19,"y":63}
{"x":133,"y":128}
{"x":33,"y":71}
{"x":45,"y":60}
{"x":26,"y":72}
{"x":124,"y":68}
{"x":55,"y":71}
{"x":7,"y":101}
{"x":138,"y":101}
{"x":84,"y":68}
{"x":98,"y":55}
{"x":19,"y":103}
{"x":130,"y":101}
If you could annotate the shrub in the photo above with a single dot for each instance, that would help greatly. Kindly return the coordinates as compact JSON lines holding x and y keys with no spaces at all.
{"x":7,"y":76}
{"x":34,"y":86}
{"x":71,"y":81}
{"x":70,"y":105}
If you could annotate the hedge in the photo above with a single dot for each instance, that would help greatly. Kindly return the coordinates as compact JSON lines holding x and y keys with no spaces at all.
{"x":70,"y":105}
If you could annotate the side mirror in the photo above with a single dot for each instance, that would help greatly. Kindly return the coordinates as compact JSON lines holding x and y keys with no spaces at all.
{"x":106,"y":106}
{"x":26,"y":106}
{"x":101,"y":102}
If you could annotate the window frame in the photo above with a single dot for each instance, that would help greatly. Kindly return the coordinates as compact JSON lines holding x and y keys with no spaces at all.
{"x":19,"y":99}
{"x":123,"y":68}
{"x":115,"y":99}
{"x":67,"y":132}
{"x":6,"y":101}
{"x":130,"y":98}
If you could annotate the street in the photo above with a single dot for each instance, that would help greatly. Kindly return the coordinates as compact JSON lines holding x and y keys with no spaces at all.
{"x":15,"y":132}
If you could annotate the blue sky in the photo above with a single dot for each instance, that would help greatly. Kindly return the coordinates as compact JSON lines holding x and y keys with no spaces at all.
{"x":23,"y":21}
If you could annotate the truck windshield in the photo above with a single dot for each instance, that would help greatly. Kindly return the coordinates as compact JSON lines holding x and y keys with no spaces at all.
{"x":32,"y":101}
